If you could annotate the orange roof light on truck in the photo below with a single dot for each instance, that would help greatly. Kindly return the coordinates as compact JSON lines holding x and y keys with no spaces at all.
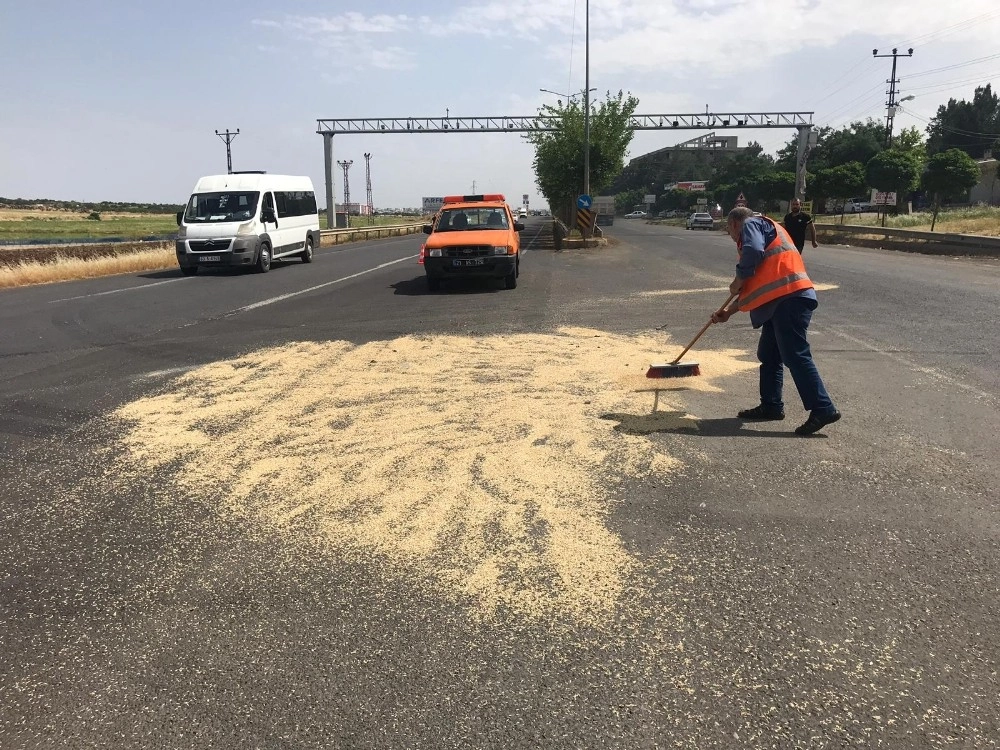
{"x":474,"y":198}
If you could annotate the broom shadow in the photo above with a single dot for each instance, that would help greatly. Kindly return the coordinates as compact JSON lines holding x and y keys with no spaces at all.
{"x":681,"y":423}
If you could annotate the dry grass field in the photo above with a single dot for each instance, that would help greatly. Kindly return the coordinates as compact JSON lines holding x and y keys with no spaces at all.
{"x":45,"y":265}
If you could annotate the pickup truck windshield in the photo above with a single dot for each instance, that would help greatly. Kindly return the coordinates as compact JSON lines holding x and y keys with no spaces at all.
{"x":471,"y":219}
{"x":229,"y":206}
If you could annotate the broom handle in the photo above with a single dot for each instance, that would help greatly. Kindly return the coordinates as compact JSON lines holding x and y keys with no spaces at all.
{"x":703,"y":329}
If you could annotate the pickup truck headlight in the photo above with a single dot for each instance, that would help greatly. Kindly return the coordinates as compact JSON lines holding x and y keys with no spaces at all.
{"x":503,"y":250}
{"x":434,"y":252}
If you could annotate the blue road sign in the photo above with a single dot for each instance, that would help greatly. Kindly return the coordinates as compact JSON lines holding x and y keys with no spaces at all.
{"x":584,"y":201}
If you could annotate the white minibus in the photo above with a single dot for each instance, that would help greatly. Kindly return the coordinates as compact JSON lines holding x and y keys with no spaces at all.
{"x":247,"y":219}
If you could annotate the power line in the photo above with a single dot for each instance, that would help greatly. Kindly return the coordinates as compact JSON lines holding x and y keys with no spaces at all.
{"x":944,"y":85}
{"x":951,"y":67}
{"x":871,"y":66}
{"x":954,"y":28}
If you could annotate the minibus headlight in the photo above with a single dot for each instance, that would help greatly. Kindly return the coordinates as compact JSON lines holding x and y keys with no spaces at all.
{"x":245,"y":230}
{"x":182,"y":232}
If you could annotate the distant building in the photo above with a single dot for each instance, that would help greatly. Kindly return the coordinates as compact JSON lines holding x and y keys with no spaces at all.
{"x":987,"y":190}
{"x":691,"y":161}
{"x":354,"y":209}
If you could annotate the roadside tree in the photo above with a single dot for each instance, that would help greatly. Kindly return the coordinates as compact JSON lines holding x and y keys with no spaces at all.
{"x":894,"y":171}
{"x":950,"y":174}
{"x":839,"y":183}
{"x":559,"y":154}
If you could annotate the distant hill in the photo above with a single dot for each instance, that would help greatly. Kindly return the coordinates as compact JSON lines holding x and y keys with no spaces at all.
{"x":47,"y":204}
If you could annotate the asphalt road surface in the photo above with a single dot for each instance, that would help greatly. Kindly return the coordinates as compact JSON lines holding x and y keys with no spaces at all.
{"x":758,"y":590}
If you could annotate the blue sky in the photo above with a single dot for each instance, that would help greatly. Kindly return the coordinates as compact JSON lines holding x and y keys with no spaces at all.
{"x":115,"y":100}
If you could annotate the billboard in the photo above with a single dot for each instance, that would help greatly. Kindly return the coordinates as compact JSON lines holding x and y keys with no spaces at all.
{"x":431,"y":205}
{"x":696,"y":186}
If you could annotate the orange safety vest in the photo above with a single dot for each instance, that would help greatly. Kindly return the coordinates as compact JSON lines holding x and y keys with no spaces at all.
{"x":781,"y":272}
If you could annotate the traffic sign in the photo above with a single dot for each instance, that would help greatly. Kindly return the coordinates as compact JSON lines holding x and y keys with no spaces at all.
{"x":741,"y":201}
{"x":584,"y":201}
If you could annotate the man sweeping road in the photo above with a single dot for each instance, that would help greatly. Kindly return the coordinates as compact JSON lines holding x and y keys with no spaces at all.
{"x":773,"y":286}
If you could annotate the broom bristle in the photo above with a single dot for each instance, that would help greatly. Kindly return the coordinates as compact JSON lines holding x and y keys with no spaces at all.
{"x":674,"y":370}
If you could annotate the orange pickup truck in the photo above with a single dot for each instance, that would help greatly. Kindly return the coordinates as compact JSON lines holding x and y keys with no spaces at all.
{"x":472,"y":236}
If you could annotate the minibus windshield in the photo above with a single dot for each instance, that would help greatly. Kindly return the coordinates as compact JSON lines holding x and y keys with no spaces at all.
{"x":227,"y":206}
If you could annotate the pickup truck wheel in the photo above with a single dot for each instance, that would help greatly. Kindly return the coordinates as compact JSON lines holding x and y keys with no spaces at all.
{"x":510,"y":280}
{"x":263,"y":264}
{"x":433,"y":284}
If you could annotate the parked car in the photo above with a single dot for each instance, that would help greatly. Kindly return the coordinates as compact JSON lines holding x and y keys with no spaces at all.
{"x":636,"y":215}
{"x":857,"y":205}
{"x":700,"y":221}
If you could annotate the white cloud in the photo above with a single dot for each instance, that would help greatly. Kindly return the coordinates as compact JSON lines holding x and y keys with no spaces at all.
{"x":673,"y":37}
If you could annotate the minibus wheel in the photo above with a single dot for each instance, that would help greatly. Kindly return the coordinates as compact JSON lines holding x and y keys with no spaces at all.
{"x":307,"y":253}
{"x":263,"y":259}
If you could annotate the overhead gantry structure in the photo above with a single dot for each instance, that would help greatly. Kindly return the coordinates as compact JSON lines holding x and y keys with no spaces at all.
{"x":328,"y":128}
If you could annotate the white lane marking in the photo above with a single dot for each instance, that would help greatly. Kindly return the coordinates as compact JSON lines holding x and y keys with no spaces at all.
{"x":116,"y":291}
{"x":272,"y":300}
{"x":930,"y":371}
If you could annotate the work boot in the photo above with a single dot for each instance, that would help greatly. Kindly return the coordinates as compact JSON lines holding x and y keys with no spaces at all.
{"x":817,"y":422}
{"x":763,"y":413}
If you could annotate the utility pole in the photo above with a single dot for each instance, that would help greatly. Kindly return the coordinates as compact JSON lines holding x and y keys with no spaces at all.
{"x":368,"y":187}
{"x":346,"y":165}
{"x":228,"y":138}
{"x":473,"y":187}
{"x":586,"y":104}
{"x":892,"y":103}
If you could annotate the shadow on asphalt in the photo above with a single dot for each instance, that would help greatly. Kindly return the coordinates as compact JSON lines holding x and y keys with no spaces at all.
{"x":680,"y":423}
{"x":219,"y":270}
{"x":418,"y":287}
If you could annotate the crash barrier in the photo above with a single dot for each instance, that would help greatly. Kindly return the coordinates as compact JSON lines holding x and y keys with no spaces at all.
{"x":910,"y":240}
{"x":354,"y":234}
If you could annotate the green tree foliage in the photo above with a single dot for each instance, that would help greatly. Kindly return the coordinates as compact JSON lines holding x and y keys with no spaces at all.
{"x":949,"y":175}
{"x":911,"y":140}
{"x":972,"y":126}
{"x":893,"y":171}
{"x":841,"y":182}
{"x":559,"y":154}
{"x":770,"y":187}
{"x":626,"y":201}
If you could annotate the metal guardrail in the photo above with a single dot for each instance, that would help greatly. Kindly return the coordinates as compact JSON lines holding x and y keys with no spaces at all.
{"x":353,"y":234}
{"x":944,"y":243}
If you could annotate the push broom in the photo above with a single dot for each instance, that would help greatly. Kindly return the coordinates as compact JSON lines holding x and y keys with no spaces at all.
{"x":678,"y":369}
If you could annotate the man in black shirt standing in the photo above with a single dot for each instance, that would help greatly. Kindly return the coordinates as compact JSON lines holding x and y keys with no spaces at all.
{"x":795,"y":224}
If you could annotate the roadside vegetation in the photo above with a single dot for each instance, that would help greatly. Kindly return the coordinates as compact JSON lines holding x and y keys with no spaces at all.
{"x":26,"y":267}
{"x":36,"y":224}
{"x":983,"y":220}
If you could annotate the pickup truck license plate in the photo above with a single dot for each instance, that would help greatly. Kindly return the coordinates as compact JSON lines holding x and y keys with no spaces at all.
{"x":469,"y":262}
